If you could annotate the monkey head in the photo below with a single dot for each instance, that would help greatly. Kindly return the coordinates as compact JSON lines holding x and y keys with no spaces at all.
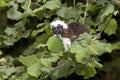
{"x":58,"y":27}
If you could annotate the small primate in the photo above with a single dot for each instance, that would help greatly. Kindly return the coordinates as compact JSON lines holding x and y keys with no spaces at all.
{"x":67,"y":33}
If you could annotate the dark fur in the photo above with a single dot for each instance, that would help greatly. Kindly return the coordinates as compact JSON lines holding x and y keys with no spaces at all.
{"x":74,"y":30}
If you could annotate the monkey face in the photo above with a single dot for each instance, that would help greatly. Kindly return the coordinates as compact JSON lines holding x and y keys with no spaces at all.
{"x":58,"y":27}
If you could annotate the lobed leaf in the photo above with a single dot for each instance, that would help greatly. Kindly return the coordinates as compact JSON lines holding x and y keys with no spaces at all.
{"x":106,"y":11}
{"x":85,"y":70}
{"x":9,"y":41}
{"x":10,"y":31}
{"x":13,"y":14}
{"x":63,"y":70}
{"x":67,"y":13}
{"x":79,"y":51}
{"x":35,"y":70}
{"x":52,"y":4}
{"x":29,"y":60}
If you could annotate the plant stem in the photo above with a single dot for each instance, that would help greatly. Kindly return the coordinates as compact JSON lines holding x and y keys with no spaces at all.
{"x":74,"y":2}
{"x":85,"y":13}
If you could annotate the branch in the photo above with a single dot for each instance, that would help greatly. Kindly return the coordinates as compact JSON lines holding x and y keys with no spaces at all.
{"x":103,"y":28}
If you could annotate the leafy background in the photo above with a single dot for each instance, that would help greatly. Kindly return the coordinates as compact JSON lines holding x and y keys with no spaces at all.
{"x":28,"y":49}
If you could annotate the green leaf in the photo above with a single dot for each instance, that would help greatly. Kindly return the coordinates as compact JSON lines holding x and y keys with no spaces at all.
{"x":26,"y":4}
{"x":54,"y":44}
{"x":29,"y":60}
{"x":7,"y":70}
{"x":13,"y":4}
{"x":111,"y":28}
{"x":85,"y":70}
{"x":24,"y":34}
{"x":41,"y":27}
{"x":2,"y":3}
{"x":63,"y":12}
{"x":10,"y":41}
{"x":80,"y":52}
{"x":116,"y":45}
{"x":46,"y":62}
{"x":13,"y":14}
{"x":20,"y":1}
{"x":35,"y":70}
{"x":96,"y":63}
{"x":29,"y":50}
{"x":101,"y":2}
{"x":106,"y":11}
{"x":63,"y":70}
{"x":52,"y":4}
{"x":20,"y":24}
{"x":83,"y":39}
{"x":10,"y":31}
{"x":98,"y":48}
{"x":1,"y":52}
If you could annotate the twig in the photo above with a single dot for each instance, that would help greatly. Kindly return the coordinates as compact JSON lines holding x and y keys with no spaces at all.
{"x":85,"y":13}
{"x":103,"y":28}
{"x":74,"y":2}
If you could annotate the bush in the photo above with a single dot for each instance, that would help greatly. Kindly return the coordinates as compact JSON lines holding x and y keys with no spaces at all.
{"x":29,"y":51}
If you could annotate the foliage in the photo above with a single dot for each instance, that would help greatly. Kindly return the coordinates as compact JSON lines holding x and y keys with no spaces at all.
{"x":41,"y":55}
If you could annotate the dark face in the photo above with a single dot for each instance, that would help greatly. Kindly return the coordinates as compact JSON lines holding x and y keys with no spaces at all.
{"x":57,"y":29}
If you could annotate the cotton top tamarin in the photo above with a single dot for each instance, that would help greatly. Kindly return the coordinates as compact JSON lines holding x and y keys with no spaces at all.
{"x":67,"y":33}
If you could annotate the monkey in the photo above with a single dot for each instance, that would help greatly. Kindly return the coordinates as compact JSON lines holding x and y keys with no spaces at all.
{"x":68,"y":33}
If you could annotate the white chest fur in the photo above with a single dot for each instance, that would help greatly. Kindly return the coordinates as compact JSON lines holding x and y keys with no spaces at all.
{"x":66,"y":43}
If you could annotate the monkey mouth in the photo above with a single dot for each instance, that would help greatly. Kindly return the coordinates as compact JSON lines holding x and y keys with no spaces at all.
{"x":57,"y":31}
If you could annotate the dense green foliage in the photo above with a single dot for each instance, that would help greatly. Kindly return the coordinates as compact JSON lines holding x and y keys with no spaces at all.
{"x":29,"y":51}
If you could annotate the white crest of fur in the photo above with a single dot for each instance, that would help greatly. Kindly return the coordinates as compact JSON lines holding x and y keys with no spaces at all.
{"x":55,"y":24}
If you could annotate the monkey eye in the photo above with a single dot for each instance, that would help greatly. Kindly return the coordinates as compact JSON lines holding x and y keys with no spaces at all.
{"x":60,"y":26}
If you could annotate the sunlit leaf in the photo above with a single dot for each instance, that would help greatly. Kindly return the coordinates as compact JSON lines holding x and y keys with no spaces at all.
{"x":79,"y":51}
{"x":2,"y":3}
{"x":99,"y":48}
{"x":34,"y":70}
{"x":54,"y":44}
{"x":111,"y":28}
{"x":29,"y":60}
{"x":46,"y":62}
